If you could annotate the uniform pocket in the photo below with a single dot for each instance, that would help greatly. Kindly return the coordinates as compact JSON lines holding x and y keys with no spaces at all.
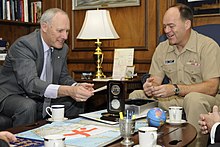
{"x":170,"y":70}
{"x":192,"y":73}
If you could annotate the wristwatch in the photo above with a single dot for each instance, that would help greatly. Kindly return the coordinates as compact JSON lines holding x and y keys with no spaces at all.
{"x":176,"y":89}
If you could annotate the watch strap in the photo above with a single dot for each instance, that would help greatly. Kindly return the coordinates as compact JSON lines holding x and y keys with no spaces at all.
{"x":176,"y":89}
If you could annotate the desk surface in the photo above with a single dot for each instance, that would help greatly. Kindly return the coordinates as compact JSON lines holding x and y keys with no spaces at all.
{"x":182,"y":135}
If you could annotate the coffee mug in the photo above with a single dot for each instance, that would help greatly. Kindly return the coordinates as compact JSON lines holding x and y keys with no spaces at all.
{"x":54,"y":140}
{"x":175,"y":113}
{"x":147,"y":136}
{"x":57,"y":112}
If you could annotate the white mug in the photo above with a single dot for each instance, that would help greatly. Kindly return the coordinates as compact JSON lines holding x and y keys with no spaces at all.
{"x":54,"y":140}
{"x":147,"y":136}
{"x":57,"y":112}
{"x":175,"y":113}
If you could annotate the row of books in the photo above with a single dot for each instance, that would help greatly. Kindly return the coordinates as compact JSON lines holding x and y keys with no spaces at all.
{"x":20,"y":10}
{"x":3,"y":49}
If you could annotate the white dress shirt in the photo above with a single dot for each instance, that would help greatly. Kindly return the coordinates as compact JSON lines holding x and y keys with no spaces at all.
{"x":52,"y":90}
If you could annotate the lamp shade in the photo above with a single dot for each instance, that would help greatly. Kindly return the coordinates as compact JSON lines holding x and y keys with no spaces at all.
{"x":97,"y":25}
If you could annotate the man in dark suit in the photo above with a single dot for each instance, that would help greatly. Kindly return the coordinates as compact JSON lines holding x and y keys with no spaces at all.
{"x":24,"y":85}
{"x":210,"y":123}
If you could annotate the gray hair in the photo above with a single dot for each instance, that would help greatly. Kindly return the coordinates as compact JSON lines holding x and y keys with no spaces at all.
{"x":49,"y":14}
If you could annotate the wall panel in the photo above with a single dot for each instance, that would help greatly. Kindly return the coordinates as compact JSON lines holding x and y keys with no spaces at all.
{"x":132,"y":25}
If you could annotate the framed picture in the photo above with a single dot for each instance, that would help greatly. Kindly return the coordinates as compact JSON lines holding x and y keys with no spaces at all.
{"x":129,"y":72}
{"x":93,"y":4}
{"x":203,"y":6}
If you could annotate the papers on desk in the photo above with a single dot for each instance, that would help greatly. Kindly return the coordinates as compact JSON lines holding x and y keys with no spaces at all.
{"x":97,"y":115}
{"x":122,"y":58}
{"x":78,"y":132}
{"x":100,"y":89}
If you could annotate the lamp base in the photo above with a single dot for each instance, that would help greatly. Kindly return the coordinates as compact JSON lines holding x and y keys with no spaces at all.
{"x":100,"y":75}
{"x":99,"y":59}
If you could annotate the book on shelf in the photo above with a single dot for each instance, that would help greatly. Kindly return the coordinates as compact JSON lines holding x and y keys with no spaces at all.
{"x":8,"y":10}
{"x":36,"y":11}
{"x":26,"y":11}
{"x":2,"y":56}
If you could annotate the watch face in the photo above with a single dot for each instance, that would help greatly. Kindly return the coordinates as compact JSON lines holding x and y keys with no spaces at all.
{"x":176,"y":89}
{"x":115,"y":90}
{"x":115,"y":103}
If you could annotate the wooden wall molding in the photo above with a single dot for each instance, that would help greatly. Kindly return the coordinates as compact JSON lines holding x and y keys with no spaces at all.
{"x":132,"y":25}
{"x":129,"y":22}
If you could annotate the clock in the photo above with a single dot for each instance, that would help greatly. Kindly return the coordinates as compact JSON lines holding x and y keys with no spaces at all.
{"x":116,"y":97}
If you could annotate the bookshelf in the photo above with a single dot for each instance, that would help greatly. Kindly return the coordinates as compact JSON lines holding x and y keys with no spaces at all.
{"x":21,"y":10}
{"x":15,"y":24}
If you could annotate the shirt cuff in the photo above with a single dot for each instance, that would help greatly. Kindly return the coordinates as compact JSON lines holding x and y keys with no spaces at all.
{"x":52,"y":91}
{"x":212,"y":133}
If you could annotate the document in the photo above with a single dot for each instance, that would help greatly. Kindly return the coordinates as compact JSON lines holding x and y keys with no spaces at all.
{"x":79,"y":132}
{"x":122,"y":58}
{"x":100,"y":89}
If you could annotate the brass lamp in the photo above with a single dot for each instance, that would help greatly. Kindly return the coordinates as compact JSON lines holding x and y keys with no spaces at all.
{"x":98,"y":25}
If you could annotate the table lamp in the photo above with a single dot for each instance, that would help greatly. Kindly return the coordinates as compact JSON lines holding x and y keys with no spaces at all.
{"x":98,"y":25}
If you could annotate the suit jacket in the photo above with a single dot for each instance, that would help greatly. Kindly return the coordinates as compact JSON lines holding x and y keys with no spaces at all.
{"x":20,"y":73}
{"x":3,"y":143}
{"x":217,"y":134}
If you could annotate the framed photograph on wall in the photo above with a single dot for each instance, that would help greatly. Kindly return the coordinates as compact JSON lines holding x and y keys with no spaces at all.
{"x":202,"y":6}
{"x":93,"y":4}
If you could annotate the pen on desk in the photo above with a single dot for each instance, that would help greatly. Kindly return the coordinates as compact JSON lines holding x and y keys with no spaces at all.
{"x":121,"y":115}
{"x":127,"y":114}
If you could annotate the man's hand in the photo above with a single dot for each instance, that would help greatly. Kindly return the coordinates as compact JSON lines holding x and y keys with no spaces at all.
{"x":148,"y":87}
{"x":7,"y":136}
{"x":80,"y":93}
{"x":206,"y":121}
{"x":87,"y":86}
{"x":165,"y":90}
{"x":151,"y":88}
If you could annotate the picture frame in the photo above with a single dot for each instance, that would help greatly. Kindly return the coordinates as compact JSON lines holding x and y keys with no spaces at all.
{"x":129,"y":74}
{"x":202,"y":7}
{"x":94,"y":4}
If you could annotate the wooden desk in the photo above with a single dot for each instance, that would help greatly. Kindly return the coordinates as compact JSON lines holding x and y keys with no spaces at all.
{"x":99,"y":100}
{"x":184,"y":133}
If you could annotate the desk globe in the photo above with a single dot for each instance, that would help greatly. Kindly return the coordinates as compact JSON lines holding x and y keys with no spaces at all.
{"x":156,"y":117}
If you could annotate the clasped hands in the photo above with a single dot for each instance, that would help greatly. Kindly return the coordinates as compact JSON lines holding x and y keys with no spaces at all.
{"x":206,"y":121}
{"x":153,"y":89}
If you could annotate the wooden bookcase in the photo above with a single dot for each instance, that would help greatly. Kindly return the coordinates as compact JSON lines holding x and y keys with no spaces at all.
{"x":11,"y":29}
